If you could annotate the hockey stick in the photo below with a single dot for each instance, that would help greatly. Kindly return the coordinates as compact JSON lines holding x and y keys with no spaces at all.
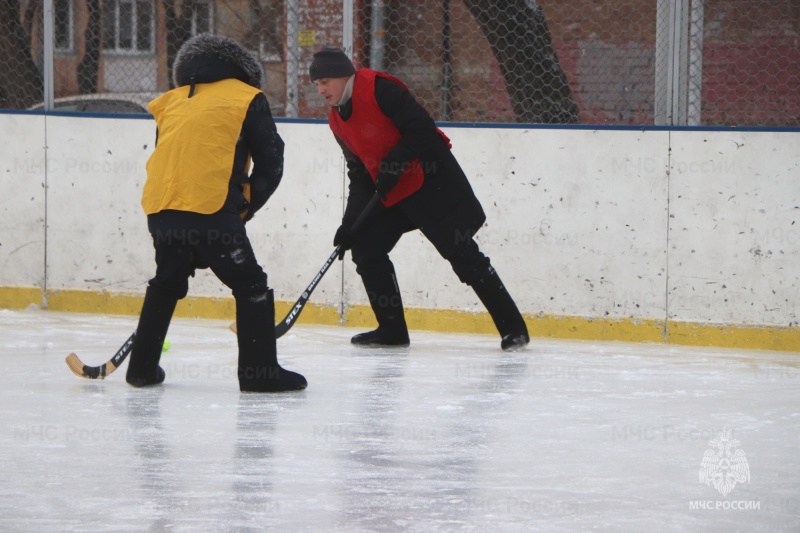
{"x":285,"y":325}
{"x":100,"y":372}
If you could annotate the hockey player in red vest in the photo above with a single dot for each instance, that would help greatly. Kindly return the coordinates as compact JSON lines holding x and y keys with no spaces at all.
{"x":392,"y":145}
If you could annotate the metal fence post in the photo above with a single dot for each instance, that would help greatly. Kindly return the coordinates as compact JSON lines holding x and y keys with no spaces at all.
{"x":347,"y":28}
{"x":292,"y":58}
{"x":694,"y":111}
{"x":47,"y":54}
{"x":678,"y":63}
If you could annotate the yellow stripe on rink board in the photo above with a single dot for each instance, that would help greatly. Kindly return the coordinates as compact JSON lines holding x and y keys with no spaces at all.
{"x":599,"y":329}
{"x":561,"y":327}
{"x":741,"y":336}
{"x":115,"y":303}
{"x":771,"y":337}
{"x":20,"y":297}
{"x":103,"y":302}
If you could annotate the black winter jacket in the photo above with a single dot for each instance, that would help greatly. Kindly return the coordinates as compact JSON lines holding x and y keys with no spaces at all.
{"x":446,"y":198}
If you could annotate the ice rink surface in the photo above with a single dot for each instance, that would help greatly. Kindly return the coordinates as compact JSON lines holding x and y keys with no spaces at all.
{"x":451,"y":434}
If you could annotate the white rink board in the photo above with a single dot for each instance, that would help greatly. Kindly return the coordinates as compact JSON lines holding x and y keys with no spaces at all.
{"x":572,"y":227}
{"x":293,"y":235}
{"x":22,"y":200}
{"x":578,"y":220}
{"x":97,"y":233}
{"x":735,"y":205}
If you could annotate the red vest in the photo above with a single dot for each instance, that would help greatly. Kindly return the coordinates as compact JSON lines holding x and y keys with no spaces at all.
{"x":370,"y":134}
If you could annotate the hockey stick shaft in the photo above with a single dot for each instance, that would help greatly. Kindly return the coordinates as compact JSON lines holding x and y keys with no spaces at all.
{"x":284,"y":325}
{"x":100,"y":372}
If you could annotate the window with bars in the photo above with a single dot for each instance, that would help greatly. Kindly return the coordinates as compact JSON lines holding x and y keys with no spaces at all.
{"x":128,"y":26}
{"x":202,"y":18}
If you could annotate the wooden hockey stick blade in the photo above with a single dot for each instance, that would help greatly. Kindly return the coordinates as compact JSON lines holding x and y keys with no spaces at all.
{"x":89,"y":372}
{"x":100,"y":372}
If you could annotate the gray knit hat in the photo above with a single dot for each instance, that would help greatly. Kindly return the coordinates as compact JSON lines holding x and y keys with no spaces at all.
{"x":330,"y":62}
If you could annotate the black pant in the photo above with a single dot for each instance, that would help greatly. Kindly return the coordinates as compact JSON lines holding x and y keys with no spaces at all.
{"x":186,"y":241}
{"x":379,"y":236}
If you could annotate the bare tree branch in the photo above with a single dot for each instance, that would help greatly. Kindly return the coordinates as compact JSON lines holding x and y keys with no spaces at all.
{"x":521,"y":42}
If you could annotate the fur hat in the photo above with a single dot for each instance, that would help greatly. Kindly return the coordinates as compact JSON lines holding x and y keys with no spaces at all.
{"x":216,"y":48}
{"x":330,"y":62}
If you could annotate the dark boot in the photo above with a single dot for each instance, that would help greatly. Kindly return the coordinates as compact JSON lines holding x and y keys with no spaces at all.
{"x":259,"y":370}
{"x":503,"y":310}
{"x":384,"y":297}
{"x":154,"y":321}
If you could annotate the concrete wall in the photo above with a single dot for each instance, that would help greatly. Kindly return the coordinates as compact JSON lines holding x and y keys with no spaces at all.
{"x":684,"y":236}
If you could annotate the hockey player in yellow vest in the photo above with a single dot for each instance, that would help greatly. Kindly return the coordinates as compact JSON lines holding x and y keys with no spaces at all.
{"x":199,"y":193}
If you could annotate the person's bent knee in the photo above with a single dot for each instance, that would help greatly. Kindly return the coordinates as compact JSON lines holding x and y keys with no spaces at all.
{"x":469,"y":263}
{"x":374,"y":267}
{"x":172,"y":288}
{"x":249,"y":290}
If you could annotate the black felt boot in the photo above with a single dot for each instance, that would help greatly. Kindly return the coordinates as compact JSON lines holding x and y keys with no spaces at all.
{"x":503,"y":310}
{"x":154,"y":322}
{"x":259,"y":370}
{"x":384,"y":297}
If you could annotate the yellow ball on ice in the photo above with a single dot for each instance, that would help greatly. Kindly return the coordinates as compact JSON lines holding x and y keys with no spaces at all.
{"x":166,"y":345}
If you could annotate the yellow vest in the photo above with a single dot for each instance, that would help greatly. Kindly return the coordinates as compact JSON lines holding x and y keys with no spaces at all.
{"x":191,"y":166}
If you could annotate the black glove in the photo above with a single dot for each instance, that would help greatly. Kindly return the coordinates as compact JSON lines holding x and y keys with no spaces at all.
{"x":385,"y":181}
{"x":343,"y":239}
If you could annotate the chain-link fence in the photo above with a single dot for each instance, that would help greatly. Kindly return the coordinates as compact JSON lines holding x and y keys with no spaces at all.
{"x":636,"y":62}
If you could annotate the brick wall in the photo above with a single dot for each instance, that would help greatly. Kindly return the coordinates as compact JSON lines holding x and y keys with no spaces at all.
{"x":751,"y":60}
